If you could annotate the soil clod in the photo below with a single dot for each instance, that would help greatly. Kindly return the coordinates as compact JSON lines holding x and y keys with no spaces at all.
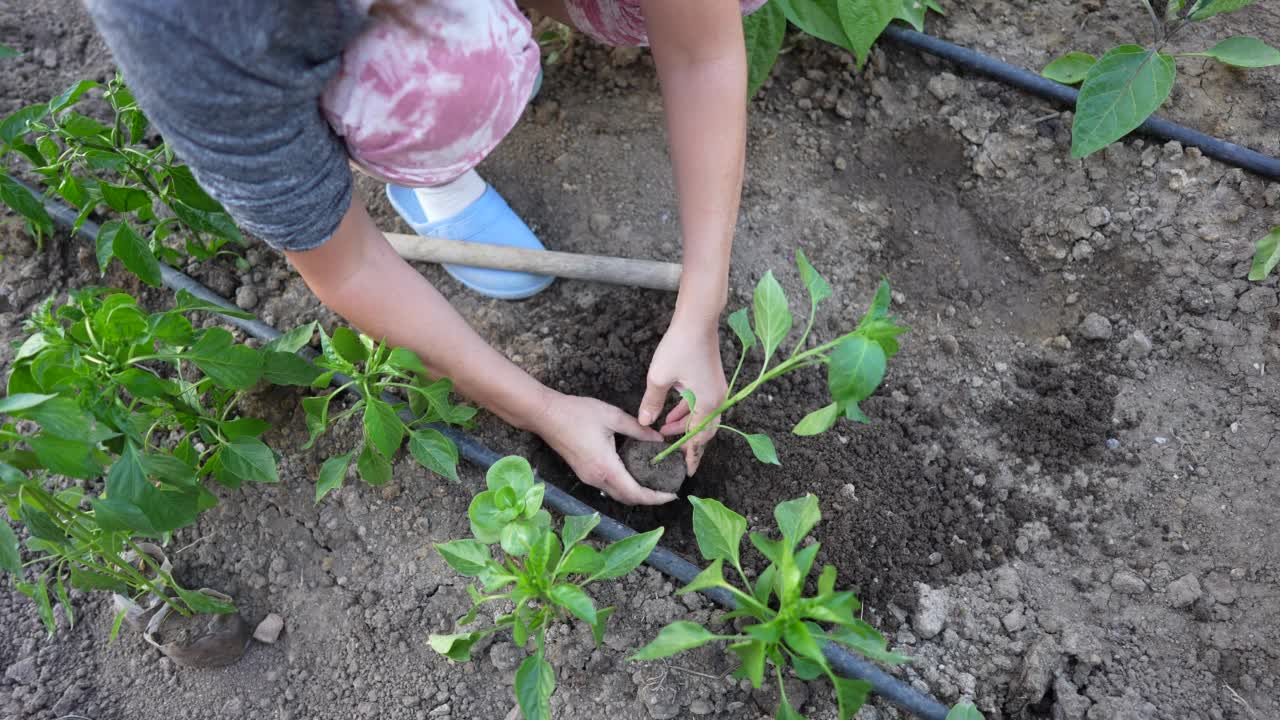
{"x":666,"y":476}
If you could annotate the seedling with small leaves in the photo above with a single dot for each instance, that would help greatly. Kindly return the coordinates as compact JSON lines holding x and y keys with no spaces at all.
{"x":541,"y":575}
{"x":856,"y":361}
{"x":790,"y":629}
{"x":163,"y":215}
{"x":103,"y":389}
{"x":372,"y":370}
{"x":854,"y":25}
{"x":1120,"y":90}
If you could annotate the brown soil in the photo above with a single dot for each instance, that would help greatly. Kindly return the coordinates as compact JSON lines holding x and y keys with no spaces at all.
{"x":666,"y":476}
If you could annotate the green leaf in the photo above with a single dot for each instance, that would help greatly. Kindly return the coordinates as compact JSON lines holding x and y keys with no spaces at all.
{"x":18,"y":402}
{"x":204,"y":603}
{"x":763,"y":31}
{"x":786,"y":712}
{"x":690,"y":398}
{"x":91,"y":580}
{"x":125,"y":199}
{"x":25,"y":204}
{"x":544,"y":554}
{"x":19,"y":122}
{"x":751,"y":656}
{"x":855,"y":369}
{"x":801,"y":640}
{"x":764,"y":585}
{"x":741,"y":325}
{"x":675,"y":638}
{"x":435,"y":452}
{"x":235,"y":367}
{"x":862,"y":637}
{"x":625,"y":555}
{"x":578,"y":527}
{"x":818,"y":421}
{"x":517,"y":538}
{"x":187,"y":302}
{"x":818,"y":287}
{"x":64,"y":456}
{"x":382,"y":427}
{"x":468,"y":557}
{"x":1070,"y":69}
{"x":81,"y":126}
{"x":511,"y":471}
{"x":349,"y":345}
{"x":581,"y":560}
{"x":1245,"y":52}
{"x":598,"y":627}
{"x":455,"y":647}
{"x":317,"y":416}
{"x":1266,"y":256}
{"x":850,"y":694}
{"x":1206,"y":10}
{"x":535,"y":681}
{"x":185,"y":187}
{"x":771,"y":549}
{"x":132,"y":251}
{"x":407,"y":361}
{"x":248,"y":458}
{"x":39,"y":594}
{"x":863,"y":22}
{"x":711,"y":576}
{"x":797,"y":517}
{"x":827,"y":580}
{"x":573,"y":599}
{"x":285,"y":368}
{"x":964,"y":711}
{"x":819,"y":18}
{"x":10,"y":556}
{"x":8,"y":52}
{"x":914,"y":11}
{"x":332,"y":473}
{"x":762,"y":448}
{"x":717,"y":529}
{"x":294,"y":340}
{"x":218,"y":223}
{"x":772,"y":317}
{"x":1120,"y":92}
{"x":373,"y":467}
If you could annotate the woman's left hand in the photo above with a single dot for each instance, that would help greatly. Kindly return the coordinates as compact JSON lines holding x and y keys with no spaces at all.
{"x":688,"y":358}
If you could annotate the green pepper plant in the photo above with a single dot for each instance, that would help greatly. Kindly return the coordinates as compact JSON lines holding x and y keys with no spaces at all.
{"x":856,"y":361}
{"x":162,"y":212}
{"x":854,"y":25}
{"x":372,"y":370}
{"x":1120,"y":90}
{"x":102,"y":389}
{"x":541,"y":575}
{"x":790,"y":629}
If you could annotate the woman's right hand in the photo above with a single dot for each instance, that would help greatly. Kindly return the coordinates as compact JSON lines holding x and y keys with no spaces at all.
{"x":581,"y":430}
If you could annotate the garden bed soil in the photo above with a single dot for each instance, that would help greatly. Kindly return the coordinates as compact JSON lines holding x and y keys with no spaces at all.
{"x":1065,"y":503}
{"x":666,"y":476}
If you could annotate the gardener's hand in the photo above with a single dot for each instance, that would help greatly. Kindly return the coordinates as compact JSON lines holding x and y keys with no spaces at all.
{"x":581,"y":430}
{"x":688,"y":358}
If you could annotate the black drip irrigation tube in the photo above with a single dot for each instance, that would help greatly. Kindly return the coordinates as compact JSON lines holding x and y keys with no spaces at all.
{"x":1030,"y":82}
{"x":477,"y":453}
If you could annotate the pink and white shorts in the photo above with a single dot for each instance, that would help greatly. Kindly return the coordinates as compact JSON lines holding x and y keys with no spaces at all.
{"x":420,"y":104}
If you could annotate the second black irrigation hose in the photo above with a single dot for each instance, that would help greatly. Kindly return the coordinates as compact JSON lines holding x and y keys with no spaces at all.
{"x":472,"y":450}
{"x":1038,"y":85}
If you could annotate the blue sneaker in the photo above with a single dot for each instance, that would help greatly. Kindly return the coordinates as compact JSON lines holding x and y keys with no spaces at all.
{"x":487,"y":220}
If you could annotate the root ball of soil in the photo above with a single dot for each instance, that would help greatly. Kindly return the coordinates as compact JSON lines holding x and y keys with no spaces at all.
{"x":666,"y":476}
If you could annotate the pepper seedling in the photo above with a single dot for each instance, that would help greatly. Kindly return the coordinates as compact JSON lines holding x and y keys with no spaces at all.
{"x":1120,"y":90}
{"x":542,"y":575}
{"x":789,"y":628}
{"x":102,"y":389}
{"x":372,"y":369}
{"x":856,"y":362}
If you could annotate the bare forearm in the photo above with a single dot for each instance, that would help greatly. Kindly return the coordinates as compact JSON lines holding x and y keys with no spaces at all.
{"x":703,"y":78}
{"x":359,"y":276}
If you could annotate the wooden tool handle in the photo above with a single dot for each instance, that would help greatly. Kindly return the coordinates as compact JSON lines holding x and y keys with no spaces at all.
{"x":596,"y":268}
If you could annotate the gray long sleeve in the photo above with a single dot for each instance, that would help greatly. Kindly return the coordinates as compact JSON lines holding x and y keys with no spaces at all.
{"x":234,"y":86}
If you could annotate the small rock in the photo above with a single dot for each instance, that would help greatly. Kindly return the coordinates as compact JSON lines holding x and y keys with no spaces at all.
{"x":840,"y":163}
{"x":246,"y":297}
{"x":624,"y":56}
{"x":1038,"y":668}
{"x":1125,"y":581}
{"x":701,"y":707}
{"x":1219,"y":586}
{"x":23,"y":672}
{"x":600,"y":222}
{"x":943,"y":86}
{"x":1007,"y":584}
{"x":1096,"y":327}
{"x":1014,"y":621}
{"x":1184,"y":591}
{"x":505,"y":656}
{"x":1136,"y":346}
{"x":931,"y":611}
{"x":949,"y":344}
{"x":1068,"y":704}
{"x":802,"y":87}
{"x":268,"y":631}
{"x":1097,"y":216}
{"x":48,"y":57}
